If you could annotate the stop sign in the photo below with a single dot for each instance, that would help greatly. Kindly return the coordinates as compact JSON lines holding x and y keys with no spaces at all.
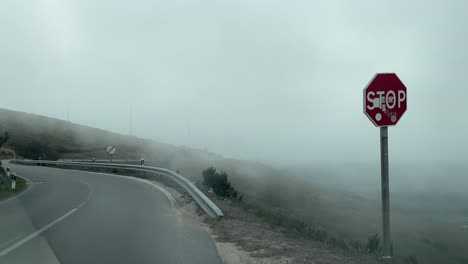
{"x":385,"y":99}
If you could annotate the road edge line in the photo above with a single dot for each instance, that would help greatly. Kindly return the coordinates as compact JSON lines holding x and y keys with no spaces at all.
{"x":153,"y":184}
{"x":49,"y":225}
{"x":38,"y":232}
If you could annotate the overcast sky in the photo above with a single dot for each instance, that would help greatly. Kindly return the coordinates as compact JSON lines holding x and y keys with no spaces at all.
{"x":275,"y":81}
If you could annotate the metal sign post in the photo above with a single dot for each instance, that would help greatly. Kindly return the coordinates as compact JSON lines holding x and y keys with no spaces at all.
{"x":384,"y":104}
{"x":385,"y":191}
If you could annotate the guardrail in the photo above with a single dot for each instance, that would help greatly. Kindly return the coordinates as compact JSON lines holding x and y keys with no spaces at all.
{"x":204,"y":202}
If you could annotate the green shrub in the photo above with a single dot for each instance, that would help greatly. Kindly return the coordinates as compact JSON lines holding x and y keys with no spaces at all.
{"x":373,"y":245}
{"x":220,"y":184}
{"x":209,"y":176}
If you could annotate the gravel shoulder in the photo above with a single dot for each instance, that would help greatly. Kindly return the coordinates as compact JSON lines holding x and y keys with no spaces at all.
{"x":241,"y":237}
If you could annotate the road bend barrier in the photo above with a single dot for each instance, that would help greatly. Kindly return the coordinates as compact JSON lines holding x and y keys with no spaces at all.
{"x":200,"y":198}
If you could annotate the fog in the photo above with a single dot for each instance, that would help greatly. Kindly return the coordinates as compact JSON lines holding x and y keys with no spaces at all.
{"x":278,"y":82}
{"x":273,"y":81}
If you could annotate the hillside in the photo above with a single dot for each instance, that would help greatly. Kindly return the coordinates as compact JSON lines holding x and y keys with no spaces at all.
{"x":302,"y":194}
{"x":34,"y":135}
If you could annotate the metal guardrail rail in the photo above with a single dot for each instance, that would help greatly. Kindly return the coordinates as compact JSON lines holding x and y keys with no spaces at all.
{"x":204,"y":202}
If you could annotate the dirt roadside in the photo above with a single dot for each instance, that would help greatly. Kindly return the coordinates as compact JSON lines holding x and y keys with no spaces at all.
{"x":241,"y":237}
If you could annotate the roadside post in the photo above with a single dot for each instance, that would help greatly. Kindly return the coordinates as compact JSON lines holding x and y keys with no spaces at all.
{"x":13,"y":181}
{"x":142,"y":161}
{"x":384,"y":103}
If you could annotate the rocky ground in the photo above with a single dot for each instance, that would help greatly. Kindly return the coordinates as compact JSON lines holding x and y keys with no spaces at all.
{"x":241,"y":237}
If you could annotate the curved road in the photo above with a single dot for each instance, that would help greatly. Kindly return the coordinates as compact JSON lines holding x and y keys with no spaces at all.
{"x":80,"y":217}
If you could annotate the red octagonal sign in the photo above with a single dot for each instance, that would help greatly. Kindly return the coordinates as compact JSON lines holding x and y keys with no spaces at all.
{"x":385,"y":99}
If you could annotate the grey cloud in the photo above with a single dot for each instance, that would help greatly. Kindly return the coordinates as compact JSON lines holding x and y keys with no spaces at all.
{"x":273,"y":81}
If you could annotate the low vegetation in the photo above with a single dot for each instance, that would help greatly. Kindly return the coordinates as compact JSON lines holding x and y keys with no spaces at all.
{"x":222,"y":187}
{"x":5,"y":185}
{"x":373,"y":245}
{"x":219,"y":183}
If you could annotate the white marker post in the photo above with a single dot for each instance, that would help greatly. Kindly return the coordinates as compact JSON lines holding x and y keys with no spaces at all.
{"x":13,"y":181}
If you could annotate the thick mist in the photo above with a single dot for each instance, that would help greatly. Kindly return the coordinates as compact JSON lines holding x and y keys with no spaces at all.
{"x":273,"y":81}
{"x":280,"y":82}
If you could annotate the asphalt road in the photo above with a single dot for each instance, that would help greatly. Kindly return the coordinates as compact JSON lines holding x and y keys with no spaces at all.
{"x":79,"y":217}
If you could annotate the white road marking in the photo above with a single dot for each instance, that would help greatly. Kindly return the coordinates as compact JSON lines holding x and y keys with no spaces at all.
{"x":169,"y":196}
{"x":38,"y":232}
{"x":43,"y":229}
{"x":11,"y":240}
